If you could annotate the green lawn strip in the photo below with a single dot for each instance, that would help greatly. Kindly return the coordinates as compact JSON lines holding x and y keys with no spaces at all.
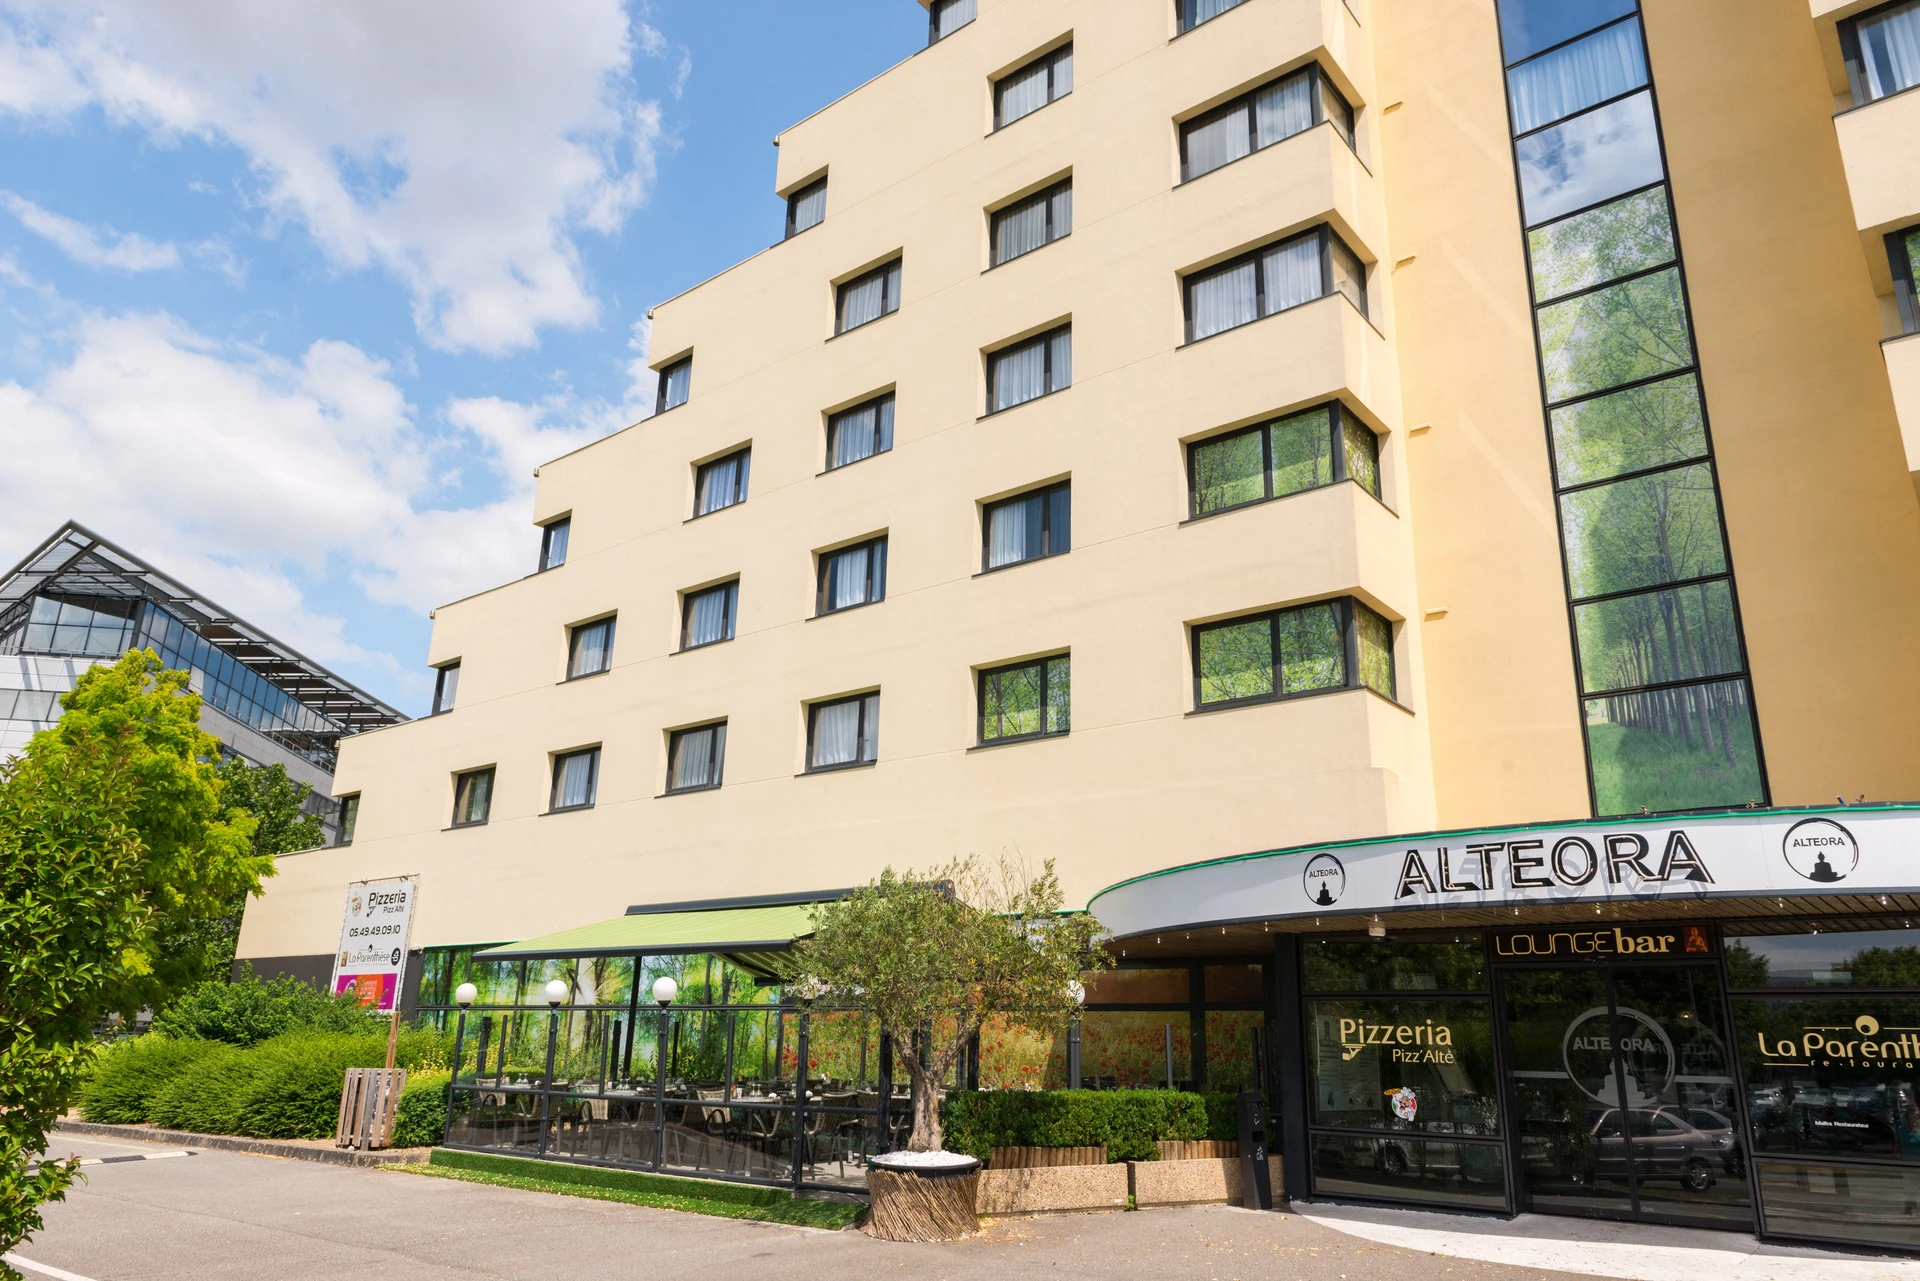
{"x":730,"y":1201}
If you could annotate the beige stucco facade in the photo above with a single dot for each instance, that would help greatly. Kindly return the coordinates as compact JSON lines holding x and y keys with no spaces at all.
{"x":1460,"y":553}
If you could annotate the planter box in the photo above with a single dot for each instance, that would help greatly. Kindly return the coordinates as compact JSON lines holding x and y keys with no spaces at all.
{"x":1201,"y":1182}
{"x":1053,"y":1189}
{"x":1039,"y":1158}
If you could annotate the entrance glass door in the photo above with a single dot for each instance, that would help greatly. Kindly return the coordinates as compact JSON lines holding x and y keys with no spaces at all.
{"x":1624,"y":1096}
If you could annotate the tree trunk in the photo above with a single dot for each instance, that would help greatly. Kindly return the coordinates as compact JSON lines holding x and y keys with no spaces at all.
{"x":926,"y":1135}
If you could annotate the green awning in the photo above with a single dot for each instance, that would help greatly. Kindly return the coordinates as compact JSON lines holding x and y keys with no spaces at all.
{"x":729,"y":931}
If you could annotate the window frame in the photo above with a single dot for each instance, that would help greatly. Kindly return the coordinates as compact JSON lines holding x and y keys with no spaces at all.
{"x":1043,"y":492}
{"x":874,"y":403}
{"x":1319,"y":84}
{"x":687,"y":600}
{"x":891,"y":273}
{"x":558,"y":771}
{"x":574,"y":636}
{"x":864,"y":737}
{"x":1046,"y":195}
{"x":563,"y":527}
{"x":934,"y":10}
{"x":1900,"y":263}
{"x":667,"y":371}
{"x":982,"y":675}
{"x":346,"y":817}
{"x":1181,"y":9}
{"x":445,"y":699}
{"x":999,"y":354}
{"x":1347,"y":607}
{"x":793,"y":207}
{"x":1848,"y":31}
{"x":460,"y":782}
{"x":1337,"y":415}
{"x":744,"y":456}
{"x":718,"y":757}
{"x":1328,"y":237}
{"x":1052,"y":57}
{"x":824,"y":561}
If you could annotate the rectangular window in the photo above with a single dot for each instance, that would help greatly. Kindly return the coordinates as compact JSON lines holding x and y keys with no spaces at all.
{"x":851,"y":576}
{"x":1294,"y":271}
{"x":1025,"y":700}
{"x":1272,"y":113}
{"x":1607,"y":64}
{"x":590,"y":649}
{"x":807,"y":207}
{"x":860,"y":432}
{"x":1331,"y":644}
{"x":695,"y":756}
{"x":866,"y":298}
{"x":1029,"y":370}
{"x":721,"y":483}
{"x":1194,"y":12}
{"x":349,"y":817}
{"x":446,"y":686}
{"x":707,"y":617}
{"x":1882,"y":49}
{"x":1023,"y":92}
{"x":553,"y":544}
{"x":676,"y":383}
{"x":1303,"y":451}
{"x":1027,"y":527}
{"x":576,"y":780}
{"x":1038,"y":220}
{"x":946,"y":17}
{"x":843,"y":733}
{"x":1903,"y":248}
{"x":472,"y":797}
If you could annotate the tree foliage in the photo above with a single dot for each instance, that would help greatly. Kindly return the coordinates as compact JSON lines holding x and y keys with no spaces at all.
{"x":276,"y":803}
{"x":932,"y":955}
{"x":250,"y":1010}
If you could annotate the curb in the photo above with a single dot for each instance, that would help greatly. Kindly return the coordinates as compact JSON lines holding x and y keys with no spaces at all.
{"x":252,"y":1147}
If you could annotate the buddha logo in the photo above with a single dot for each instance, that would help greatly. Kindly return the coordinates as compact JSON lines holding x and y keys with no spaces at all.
{"x":1645,"y":1050}
{"x":1325,"y":880}
{"x":1821,"y":850}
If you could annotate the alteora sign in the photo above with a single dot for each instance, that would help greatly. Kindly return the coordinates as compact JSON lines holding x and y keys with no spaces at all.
{"x":1869,"y":849}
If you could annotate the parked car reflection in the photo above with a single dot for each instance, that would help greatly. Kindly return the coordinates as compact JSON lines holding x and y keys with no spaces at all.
{"x":1666,"y":1144}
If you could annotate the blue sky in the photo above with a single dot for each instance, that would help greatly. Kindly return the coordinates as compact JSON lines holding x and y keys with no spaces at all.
{"x":294,"y":298}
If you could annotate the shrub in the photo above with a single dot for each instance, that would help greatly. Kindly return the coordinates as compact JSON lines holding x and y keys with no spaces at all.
{"x":1129,"y":1122}
{"x":206,"y":1097}
{"x":1223,"y":1118}
{"x":129,"y":1076}
{"x":297,"y":1092}
{"x":250,"y":1010}
{"x":422,"y":1122}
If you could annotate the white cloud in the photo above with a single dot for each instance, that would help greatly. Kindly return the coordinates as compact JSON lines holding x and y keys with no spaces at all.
{"x":91,"y":246}
{"x":460,"y":147}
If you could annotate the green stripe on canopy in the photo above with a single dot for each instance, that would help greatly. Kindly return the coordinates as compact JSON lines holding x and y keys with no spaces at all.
{"x":723,"y":930}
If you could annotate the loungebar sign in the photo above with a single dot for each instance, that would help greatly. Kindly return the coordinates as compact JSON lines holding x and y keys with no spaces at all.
{"x":1843,"y":850}
{"x":375,"y":926}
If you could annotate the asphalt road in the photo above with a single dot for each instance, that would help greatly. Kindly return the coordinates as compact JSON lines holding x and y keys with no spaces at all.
{"x":219,"y":1215}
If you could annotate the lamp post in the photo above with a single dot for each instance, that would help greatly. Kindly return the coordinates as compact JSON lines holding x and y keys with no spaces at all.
{"x":463,"y":996}
{"x":557,"y":992}
{"x":1078,"y":992}
{"x":664,"y":990}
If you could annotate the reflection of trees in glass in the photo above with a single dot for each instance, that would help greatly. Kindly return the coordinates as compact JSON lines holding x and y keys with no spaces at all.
{"x":1602,"y":244}
{"x":1746,"y":967}
{"x":1376,"y":649}
{"x":1362,"y":449}
{"x":1685,"y":748}
{"x":1629,"y":431}
{"x":1660,"y":528}
{"x":1236,"y":661}
{"x":1312,"y":655}
{"x":1302,"y":452}
{"x":1658,"y":636}
{"x":1445,"y":1056}
{"x":1367,"y":965}
{"x":1228,"y":472}
{"x":1632,"y":330}
{"x":1886,"y":967}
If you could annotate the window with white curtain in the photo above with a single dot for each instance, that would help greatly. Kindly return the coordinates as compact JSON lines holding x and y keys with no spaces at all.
{"x":707,"y":616}
{"x":860,"y":432}
{"x":676,"y":384}
{"x":843,"y":733}
{"x":1031,"y":369}
{"x":1272,"y":113}
{"x":1573,"y":77}
{"x":721,"y":483}
{"x":868,"y":297}
{"x":1882,"y":48}
{"x":944,"y":17}
{"x":590,"y":649}
{"x":807,"y":207}
{"x":1027,"y":527}
{"x":576,"y":780}
{"x":1194,"y":12}
{"x":851,"y":576}
{"x":1269,"y":280}
{"x":553,"y":543}
{"x":695,"y":757}
{"x":472,"y":797}
{"x":446,"y":687}
{"x":1038,"y":220}
{"x":1023,"y":92}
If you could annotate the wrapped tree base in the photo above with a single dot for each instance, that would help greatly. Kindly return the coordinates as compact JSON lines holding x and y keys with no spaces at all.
{"x":913,"y":1205}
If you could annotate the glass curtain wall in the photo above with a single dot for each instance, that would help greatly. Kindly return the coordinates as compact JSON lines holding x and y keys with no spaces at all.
{"x":1666,"y":704}
{"x":1191,"y":1026}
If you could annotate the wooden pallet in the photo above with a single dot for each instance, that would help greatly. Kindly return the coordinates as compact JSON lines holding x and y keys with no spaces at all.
{"x":369,"y":1107}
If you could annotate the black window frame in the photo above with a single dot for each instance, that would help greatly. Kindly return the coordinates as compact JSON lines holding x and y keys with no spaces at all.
{"x":891,"y":273}
{"x":935,"y":9}
{"x":984,"y":674}
{"x":717,"y":755}
{"x":460,"y":782}
{"x":865,"y":741}
{"x":1337,"y":415}
{"x":1183,"y":14}
{"x":1000,"y":215}
{"x":1321,"y":86}
{"x":1328,"y":238}
{"x":574,"y":636}
{"x":444,"y":699}
{"x":1043,"y":492}
{"x":1848,"y":30}
{"x":660,"y":405}
{"x":689,"y":598}
{"x":836,"y":418}
{"x":1348,"y":608}
{"x":999,"y":354}
{"x":824,"y":564}
{"x":794,"y":202}
{"x":563,"y":527}
{"x":560,"y":760}
{"x":1052,"y":58}
{"x":347,"y":816}
{"x":1900,"y":263}
{"x":742,"y":455}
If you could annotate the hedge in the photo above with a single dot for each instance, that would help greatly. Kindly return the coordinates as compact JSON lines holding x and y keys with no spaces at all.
{"x":1129,"y":1122}
{"x":422,"y":1122}
{"x":129,"y":1076}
